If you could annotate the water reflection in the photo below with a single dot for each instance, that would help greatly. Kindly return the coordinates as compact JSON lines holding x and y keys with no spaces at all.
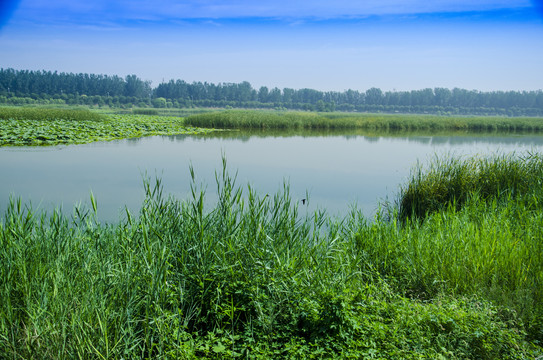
{"x":423,"y":137}
{"x":337,"y":168}
{"x":133,"y":141}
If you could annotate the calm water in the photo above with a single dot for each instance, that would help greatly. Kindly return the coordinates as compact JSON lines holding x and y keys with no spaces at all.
{"x":337,"y":171}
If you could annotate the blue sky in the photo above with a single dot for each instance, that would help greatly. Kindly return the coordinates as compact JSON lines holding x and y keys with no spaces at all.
{"x":326,"y":45}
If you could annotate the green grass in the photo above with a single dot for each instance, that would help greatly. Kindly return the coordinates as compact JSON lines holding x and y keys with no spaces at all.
{"x":39,"y":126}
{"x":255,"y":277}
{"x":244,"y":119}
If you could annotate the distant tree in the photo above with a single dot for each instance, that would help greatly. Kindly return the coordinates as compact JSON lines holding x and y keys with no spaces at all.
{"x":275,"y":95}
{"x":374,"y":96}
{"x":288,"y":95}
{"x":263,"y":93}
{"x":159,"y":102}
{"x":320,"y":106}
{"x":246,"y":92}
{"x":136,"y":87}
{"x":442,"y":96}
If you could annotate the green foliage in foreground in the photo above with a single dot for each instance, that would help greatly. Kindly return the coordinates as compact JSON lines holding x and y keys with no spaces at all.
{"x":39,"y":126}
{"x":254,"y":277}
{"x":451,"y":181}
{"x":239,"y":119}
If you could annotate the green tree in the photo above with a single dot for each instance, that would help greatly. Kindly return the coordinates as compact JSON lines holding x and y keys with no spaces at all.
{"x":263,"y":94}
{"x":159,"y":102}
{"x":374,"y":96}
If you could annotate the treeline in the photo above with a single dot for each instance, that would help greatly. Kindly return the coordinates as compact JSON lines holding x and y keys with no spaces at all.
{"x":47,"y":84}
{"x":458,"y":101}
{"x":19,"y":87}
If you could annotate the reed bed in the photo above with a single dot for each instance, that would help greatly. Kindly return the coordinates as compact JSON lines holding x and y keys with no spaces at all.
{"x":258,"y":277}
{"x":145,"y":111}
{"x":240,"y":119}
{"x":492,"y":249}
{"x":244,"y":119}
{"x":452,"y":181}
{"x":473,"y":225}
{"x":41,"y":113}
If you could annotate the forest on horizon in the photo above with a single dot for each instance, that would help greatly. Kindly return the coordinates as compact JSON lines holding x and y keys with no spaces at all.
{"x":27,"y":87}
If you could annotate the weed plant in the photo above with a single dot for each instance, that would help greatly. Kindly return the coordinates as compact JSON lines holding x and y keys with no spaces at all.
{"x":256,"y":277}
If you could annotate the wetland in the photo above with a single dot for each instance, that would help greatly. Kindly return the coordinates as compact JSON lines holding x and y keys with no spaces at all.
{"x":196,"y":243}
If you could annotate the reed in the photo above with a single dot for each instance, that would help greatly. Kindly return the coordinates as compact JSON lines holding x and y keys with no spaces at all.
{"x":488,"y":247}
{"x":255,"y":276}
{"x":452,"y":181}
{"x":42,"y":113}
{"x":237,"y":119}
{"x":145,"y":111}
{"x":245,"y":119}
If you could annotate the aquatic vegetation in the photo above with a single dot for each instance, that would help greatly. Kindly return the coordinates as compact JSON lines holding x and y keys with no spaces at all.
{"x":145,"y":111}
{"x":239,"y":119}
{"x":52,"y":126}
{"x":42,"y":113}
{"x":39,"y":126}
{"x":254,"y":277}
{"x":451,"y":181}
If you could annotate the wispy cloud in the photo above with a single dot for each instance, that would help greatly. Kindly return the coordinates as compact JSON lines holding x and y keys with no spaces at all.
{"x":164,"y":10}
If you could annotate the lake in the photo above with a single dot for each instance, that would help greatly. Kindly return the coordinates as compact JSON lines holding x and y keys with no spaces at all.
{"x":335,"y":171}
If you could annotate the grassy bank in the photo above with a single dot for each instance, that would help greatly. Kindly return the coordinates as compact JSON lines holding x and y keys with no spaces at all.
{"x":252,"y":277}
{"x":45,"y":126}
{"x":240,"y":119}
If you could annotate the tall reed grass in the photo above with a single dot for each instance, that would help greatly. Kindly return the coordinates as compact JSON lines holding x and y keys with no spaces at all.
{"x":450,"y":181}
{"x":41,"y":113}
{"x":257,"y":277}
{"x":145,"y":111}
{"x":245,"y":119}
{"x":472,"y":225}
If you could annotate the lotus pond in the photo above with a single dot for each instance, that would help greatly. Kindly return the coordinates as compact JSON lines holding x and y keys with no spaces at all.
{"x":39,"y":127}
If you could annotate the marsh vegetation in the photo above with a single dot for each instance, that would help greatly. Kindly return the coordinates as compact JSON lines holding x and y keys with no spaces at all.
{"x":53,"y":126}
{"x":451,"y":268}
{"x":245,"y":119}
{"x":22,"y":126}
{"x":253,"y":276}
